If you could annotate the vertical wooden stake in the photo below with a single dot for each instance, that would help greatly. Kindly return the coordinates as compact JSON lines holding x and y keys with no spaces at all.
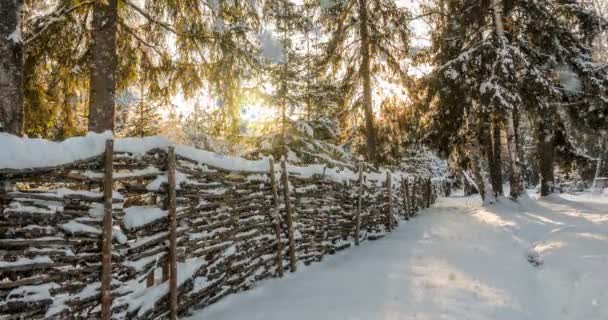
{"x":404,"y":195}
{"x":276,"y":217}
{"x":106,"y":255}
{"x":359,"y":205}
{"x":172,"y":235}
{"x":408,"y":209}
{"x":430,"y":192}
{"x":389,"y":192}
{"x":414,"y":198}
{"x":289,"y":213}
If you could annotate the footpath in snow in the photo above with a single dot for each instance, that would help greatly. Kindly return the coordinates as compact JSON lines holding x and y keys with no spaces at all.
{"x":537,"y":259}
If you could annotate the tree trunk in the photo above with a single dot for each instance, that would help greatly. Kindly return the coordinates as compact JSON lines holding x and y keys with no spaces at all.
{"x":545,"y":158}
{"x":103,"y":66}
{"x":11,"y":67}
{"x":496,"y":169}
{"x":370,"y":132}
{"x":516,"y":178}
{"x":486,"y":151}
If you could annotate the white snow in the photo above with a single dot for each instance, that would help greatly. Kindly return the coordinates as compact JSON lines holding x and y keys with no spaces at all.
{"x":457,"y":260}
{"x":145,"y":300}
{"x":15,"y":36}
{"x":77,"y":227}
{"x":37,"y":153}
{"x":569,"y":80}
{"x":156,"y":183}
{"x":136,"y":217}
{"x":34,"y":153}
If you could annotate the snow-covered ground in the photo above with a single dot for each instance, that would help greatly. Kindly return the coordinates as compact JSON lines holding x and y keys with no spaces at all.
{"x":537,"y":259}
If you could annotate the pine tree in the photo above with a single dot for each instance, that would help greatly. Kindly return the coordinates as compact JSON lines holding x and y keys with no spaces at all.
{"x":11,"y":67}
{"x":143,"y":119}
{"x":501,"y":59}
{"x":366,"y":37}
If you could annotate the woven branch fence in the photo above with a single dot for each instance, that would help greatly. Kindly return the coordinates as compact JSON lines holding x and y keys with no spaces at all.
{"x":145,"y":236}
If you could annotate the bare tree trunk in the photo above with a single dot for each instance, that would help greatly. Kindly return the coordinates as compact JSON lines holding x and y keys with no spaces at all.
{"x":475,"y":139}
{"x":103,"y":66}
{"x":11,"y":67}
{"x":516,"y":179}
{"x":545,"y":158}
{"x":496,"y":169}
{"x":370,"y":132}
{"x":485,"y":150}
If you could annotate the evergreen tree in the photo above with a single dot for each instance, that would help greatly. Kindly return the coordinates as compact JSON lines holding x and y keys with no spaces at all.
{"x":233,"y":56}
{"x":366,"y":38}
{"x":499,"y":59}
{"x":143,"y":119}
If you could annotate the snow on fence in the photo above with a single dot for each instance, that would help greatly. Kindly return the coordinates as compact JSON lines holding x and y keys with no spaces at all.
{"x":184,"y":227}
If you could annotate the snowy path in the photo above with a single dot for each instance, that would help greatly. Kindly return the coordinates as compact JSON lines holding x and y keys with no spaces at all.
{"x":455,"y":261}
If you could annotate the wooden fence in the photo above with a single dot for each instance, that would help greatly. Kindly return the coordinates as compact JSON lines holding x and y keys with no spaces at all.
{"x":145,"y":235}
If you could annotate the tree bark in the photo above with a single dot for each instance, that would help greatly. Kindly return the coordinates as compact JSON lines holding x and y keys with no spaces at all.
{"x":480,"y":176}
{"x":11,"y":67}
{"x":103,"y":66}
{"x":516,"y":177}
{"x":487,"y":151}
{"x":545,"y":158}
{"x":496,"y":169}
{"x":370,"y":132}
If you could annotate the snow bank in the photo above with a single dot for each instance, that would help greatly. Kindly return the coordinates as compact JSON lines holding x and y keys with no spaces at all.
{"x":74,"y":227}
{"x":21,"y":153}
{"x":457,"y":260}
{"x":39,"y":153}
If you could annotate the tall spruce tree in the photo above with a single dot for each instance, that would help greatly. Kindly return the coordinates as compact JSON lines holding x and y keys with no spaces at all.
{"x":367,"y":39}
{"x":179,"y":46}
{"x":505,"y":58}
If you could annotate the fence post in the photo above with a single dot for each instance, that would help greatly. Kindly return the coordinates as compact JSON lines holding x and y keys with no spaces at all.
{"x":276,"y":218}
{"x":414,"y":198}
{"x":172,"y":235}
{"x":404,"y":190}
{"x":289,"y":213}
{"x":106,"y":255}
{"x":359,"y":205}
{"x":430,"y":192}
{"x":389,"y":211}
